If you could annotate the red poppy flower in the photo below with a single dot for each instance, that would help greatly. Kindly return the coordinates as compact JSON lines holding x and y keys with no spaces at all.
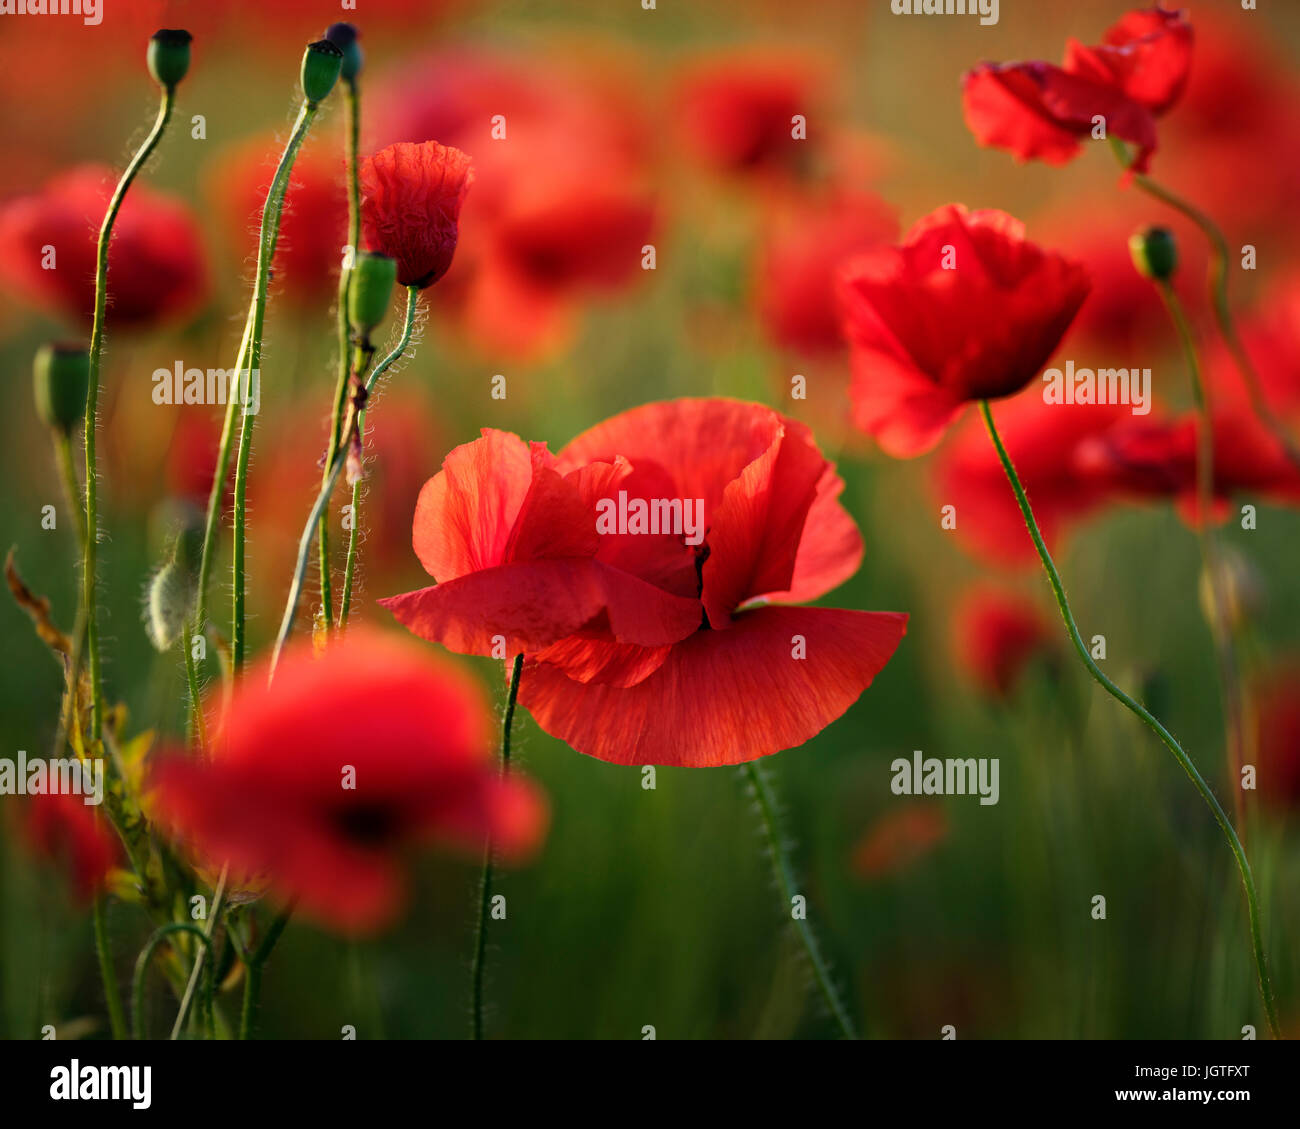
{"x":900,"y":838}
{"x":319,"y":781}
{"x":64,"y":829}
{"x":1279,"y":738}
{"x":1149,"y":458}
{"x":1043,"y":441}
{"x":738,"y":110}
{"x":995,"y":635}
{"x":645,"y":647}
{"x":806,"y":240}
{"x":965,"y":309}
{"x":156,"y":267}
{"x":1038,"y":110}
{"x":313,"y":225}
{"x":410,"y":209}
{"x":1272,"y":339}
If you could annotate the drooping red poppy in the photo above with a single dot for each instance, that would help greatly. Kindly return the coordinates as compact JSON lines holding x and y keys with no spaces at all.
{"x":806,"y":238}
{"x":1278,"y":779}
{"x":72,"y":835}
{"x":313,"y":225}
{"x":321,"y":781}
{"x":157,"y":270}
{"x":900,"y":838}
{"x":1043,"y":441}
{"x":645,"y":647}
{"x":995,"y":634}
{"x":410,"y":207}
{"x":1152,"y":458}
{"x":965,"y":309}
{"x":1037,"y":110}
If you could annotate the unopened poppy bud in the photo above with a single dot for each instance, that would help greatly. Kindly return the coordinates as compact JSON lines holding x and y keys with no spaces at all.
{"x":61,"y":378}
{"x":344,"y":36}
{"x":321,"y":63}
{"x":1155,"y":254}
{"x":169,"y":56}
{"x":172,"y":590}
{"x":370,"y":291}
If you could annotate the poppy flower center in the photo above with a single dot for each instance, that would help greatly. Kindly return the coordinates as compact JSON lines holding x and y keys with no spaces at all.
{"x":367,"y":825}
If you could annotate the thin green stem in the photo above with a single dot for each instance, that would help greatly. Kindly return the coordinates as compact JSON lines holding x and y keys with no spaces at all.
{"x":408,"y":327}
{"x":485,"y":885}
{"x":266,"y":252}
{"x":197,"y":730}
{"x":345,"y":331}
{"x":68,"y":716}
{"x":92,"y":407}
{"x":214,"y":916}
{"x":1220,"y":629}
{"x":1234,"y":843}
{"x":116,"y":1019}
{"x":142,"y":966}
{"x":253,"y":974}
{"x":1218,"y":286}
{"x":784,"y":872}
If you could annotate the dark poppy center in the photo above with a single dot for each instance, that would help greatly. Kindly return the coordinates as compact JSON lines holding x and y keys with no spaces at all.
{"x":367,"y":825}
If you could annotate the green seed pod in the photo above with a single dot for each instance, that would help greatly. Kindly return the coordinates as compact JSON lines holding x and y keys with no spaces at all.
{"x":370,"y":291}
{"x":169,"y":56}
{"x":1155,"y":254}
{"x":168,"y":605}
{"x":61,"y":378}
{"x":321,"y":63}
{"x":344,"y":36}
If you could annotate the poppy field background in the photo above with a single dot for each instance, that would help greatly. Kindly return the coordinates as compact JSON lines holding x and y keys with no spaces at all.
{"x":656,"y":907}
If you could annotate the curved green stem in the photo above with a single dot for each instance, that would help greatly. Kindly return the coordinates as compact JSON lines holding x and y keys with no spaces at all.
{"x":253,"y":974}
{"x":257,"y":316}
{"x":345,"y":335}
{"x":72,"y":493}
{"x":1234,"y":843}
{"x":116,"y":1020}
{"x":485,"y":885}
{"x":1220,"y":628}
{"x":196,"y":972}
{"x":408,"y":327}
{"x":1218,"y":285}
{"x":92,"y":406}
{"x":142,"y":966}
{"x":784,"y":873}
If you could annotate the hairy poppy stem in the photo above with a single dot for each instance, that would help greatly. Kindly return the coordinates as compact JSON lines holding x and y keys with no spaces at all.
{"x":214,"y":916}
{"x":1058,"y":590}
{"x":257,"y":315}
{"x":92,"y":406}
{"x":784,"y":873}
{"x":485,"y":886}
{"x":142,"y":966}
{"x":408,"y":327}
{"x":1220,"y":628}
{"x":116,"y":1018}
{"x":345,"y":335}
{"x":327,"y":489}
{"x":1218,"y":285}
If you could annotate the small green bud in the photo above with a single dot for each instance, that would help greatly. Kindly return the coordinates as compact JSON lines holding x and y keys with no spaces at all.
{"x":1155,"y":254}
{"x":321,"y":63}
{"x":61,"y":378}
{"x":169,"y":56}
{"x":370,"y":291}
{"x":344,"y":36}
{"x":174,"y":587}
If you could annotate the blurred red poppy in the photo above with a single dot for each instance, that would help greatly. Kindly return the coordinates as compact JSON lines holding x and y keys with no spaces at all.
{"x":1279,"y":738}
{"x":806,"y":239}
{"x":157,"y":271}
{"x":313,"y":225}
{"x":995,"y":634}
{"x":71,"y":834}
{"x":965,"y":309}
{"x":1043,"y":441}
{"x":647,"y":645}
{"x":410,"y":207}
{"x":322,"y":780}
{"x":899,"y":838}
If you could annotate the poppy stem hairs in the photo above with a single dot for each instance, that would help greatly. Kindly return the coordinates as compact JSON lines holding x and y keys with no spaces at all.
{"x":1058,"y":590}
{"x":485,"y":886}
{"x":784,"y":872}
